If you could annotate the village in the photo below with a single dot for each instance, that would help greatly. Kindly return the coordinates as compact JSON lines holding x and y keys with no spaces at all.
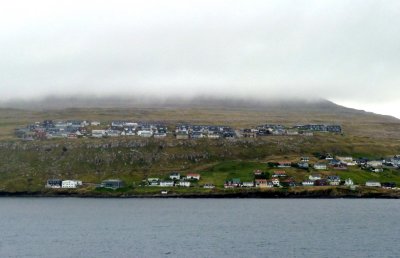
{"x":74,"y":129}
{"x":325,"y":172}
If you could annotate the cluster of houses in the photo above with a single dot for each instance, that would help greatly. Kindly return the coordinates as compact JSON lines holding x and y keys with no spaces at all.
{"x":261,"y":179}
{"x":128,"y":128}
{"x":58,"y":183}
{"x":186,"y":131}
{"x":73,"y":129}
{"x":174,"y":179}
{"x":277,"y":129}
{"x":343,"y":162}
{"x":281,"y":179}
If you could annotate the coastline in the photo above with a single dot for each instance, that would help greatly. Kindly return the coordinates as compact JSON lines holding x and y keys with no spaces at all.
{"x":326,"y":193}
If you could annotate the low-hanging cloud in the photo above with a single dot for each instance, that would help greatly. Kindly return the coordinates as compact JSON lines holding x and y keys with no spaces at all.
{"x":341,"y":50}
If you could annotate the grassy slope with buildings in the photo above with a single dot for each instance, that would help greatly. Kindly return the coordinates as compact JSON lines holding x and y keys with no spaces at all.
{"x":25,"y":166}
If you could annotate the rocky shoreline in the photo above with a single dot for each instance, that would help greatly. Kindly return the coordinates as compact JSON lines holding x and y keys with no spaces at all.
{"x":329,"y":193}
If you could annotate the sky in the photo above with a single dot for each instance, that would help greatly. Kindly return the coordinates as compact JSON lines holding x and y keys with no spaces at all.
{"x":344,"y":51}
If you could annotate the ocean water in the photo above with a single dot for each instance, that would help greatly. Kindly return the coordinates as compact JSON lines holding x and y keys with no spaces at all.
{"x":74,"y":227}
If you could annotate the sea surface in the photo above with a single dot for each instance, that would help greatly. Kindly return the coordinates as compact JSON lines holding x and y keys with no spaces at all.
{"x":75,"y":227}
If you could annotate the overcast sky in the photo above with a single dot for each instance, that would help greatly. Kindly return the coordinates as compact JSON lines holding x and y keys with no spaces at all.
{"x":345,"y":51}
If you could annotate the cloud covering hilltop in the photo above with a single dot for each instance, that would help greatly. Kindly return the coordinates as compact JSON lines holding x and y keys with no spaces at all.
{"x":344,"y":51}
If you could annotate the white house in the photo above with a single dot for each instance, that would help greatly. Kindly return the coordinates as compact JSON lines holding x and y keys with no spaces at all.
{"x":308,"y":183}
{"x":373,"y":184}
{"x":153,"y":181}
{"x":314,"y":177}
{"x":213,"y":136}
{"x":320,"y":166}
{"x":175,"y":176}
{"x":304,"y":159}
{"x":95,"y":123}
{"x":184,"y":183}
{"x":98,"y":133}
{"x":144,"y":133}
{"x":347,"y":160}
{"x":248,"y":184}
{"x":374,"y":163}
{"x":167,"y":183}
{"x":193,"y":176}
{"x":70,"y":183}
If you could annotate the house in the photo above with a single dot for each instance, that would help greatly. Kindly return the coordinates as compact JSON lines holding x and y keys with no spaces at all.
{"x":304,"y":159}
{"x":167,"y":183}
{"x":275,"y":181}
{"x":348,"y":182}
{"x":395,"y":161}
{"x":292,"y":132}
{"x":197,"y":135}
{"x":373,"y":184}
{"x":112,"y":183}
{"x":193,"y":176}
{"x":153,"y":181}
{"x":308,"y":183}
{"x":184,"y":183}
{"x":284,"y":164}
{"x":234,"y":182}
{"x":279,"y":173}
{"x":362,"y":161}
{"x":303,"y":165}
{"x":112,"y":133}
{"x":209,"y":186}
{"x":314,"y":177}
{"x":333,"y":180}
{"x":347,"y":160}
{"x":320,"y":166}
{"x":70,"y":183}
{"x":145,"y":133}
{"x":213,"y":136}
{"x":95,"y":123}
{"x":248,"y":133}
{"x":260,"y":182}
{"x":374,"y":163}
{"x":248,"y":184}
{"x":98,"y":133}
{"x":334,"y":162}
{"x":159,"y":135}
{"x":328,"y":156}
{"x":175,"y":176}
{"x":53,"y":183}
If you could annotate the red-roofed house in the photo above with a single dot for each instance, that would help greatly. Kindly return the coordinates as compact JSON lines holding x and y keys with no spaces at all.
{"x":193,"y":176}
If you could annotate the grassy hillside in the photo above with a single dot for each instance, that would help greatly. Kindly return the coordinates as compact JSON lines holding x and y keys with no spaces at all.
{"x":27,"y":165}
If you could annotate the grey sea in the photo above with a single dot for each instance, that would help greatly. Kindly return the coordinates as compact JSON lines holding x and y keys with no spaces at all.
{"x":74,"y":227}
